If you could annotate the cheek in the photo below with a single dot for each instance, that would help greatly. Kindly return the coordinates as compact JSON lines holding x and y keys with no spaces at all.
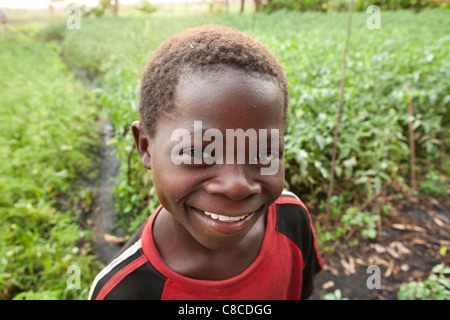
{"x":171,"y":183}
{"x":168,"y":185}
{"x":275,"y":183}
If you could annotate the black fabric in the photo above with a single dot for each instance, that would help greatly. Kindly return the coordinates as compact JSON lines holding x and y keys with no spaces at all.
{"x":294,"y":222}
{"x":116,"y":269}
{"x":136,"y":285}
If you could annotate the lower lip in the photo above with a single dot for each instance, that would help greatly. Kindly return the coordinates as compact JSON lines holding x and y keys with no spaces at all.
{"x":222,"y":226}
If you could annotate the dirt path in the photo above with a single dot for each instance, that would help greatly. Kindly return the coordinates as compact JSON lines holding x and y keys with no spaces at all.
{"x":103,"y":218}
{"x":102,"y":215}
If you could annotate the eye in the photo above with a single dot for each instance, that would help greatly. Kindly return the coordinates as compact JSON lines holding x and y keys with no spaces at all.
{"x":207,"y":156}
{"x":196,"y":156}
{"x":266,"y":157}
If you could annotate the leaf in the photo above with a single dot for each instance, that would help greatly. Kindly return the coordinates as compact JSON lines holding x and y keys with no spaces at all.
{"x":407,"y":227}
{"x":396,"y":249}
{"x":369,"y":233}
{"x":352,"y":210}
{"x":114,"y":239}
{"x":349,"y":267}
{"x":429,"y":57}
{"x":320,"y":141}
{"x":378,"y":247}
{"x":328,"y":285}
{"x":443,"y":251}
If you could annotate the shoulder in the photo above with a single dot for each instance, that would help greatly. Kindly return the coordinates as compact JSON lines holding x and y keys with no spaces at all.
{"x":128,"y":276}
{"x":289,"y":206}
{"x":107,"y":279}
{"x":288,"y":197}
{"x":293,"y":219}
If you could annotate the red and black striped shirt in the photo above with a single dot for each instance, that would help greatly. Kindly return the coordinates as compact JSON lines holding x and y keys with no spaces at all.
{"x":284,"y":268}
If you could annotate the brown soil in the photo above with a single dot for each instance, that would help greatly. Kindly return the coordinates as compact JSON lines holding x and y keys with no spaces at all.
{"x":406,"y":249}
{"x":103,"y":217}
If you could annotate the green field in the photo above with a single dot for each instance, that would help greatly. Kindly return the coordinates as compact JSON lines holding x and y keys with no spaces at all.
{"x":49,"y":142}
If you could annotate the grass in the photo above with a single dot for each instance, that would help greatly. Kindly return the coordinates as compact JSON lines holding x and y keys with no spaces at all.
{"x":47,"y":143}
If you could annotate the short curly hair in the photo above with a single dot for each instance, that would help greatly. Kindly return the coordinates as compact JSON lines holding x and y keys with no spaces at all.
{"x":199,"y":49}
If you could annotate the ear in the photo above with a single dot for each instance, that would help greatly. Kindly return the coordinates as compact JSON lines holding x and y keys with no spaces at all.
{"x":142,"y":143}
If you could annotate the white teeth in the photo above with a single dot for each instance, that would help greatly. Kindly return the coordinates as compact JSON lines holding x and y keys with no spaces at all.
{"x":224,"y":218}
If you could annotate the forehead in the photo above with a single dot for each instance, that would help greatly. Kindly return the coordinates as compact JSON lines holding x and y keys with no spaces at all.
{"x":229,"y":98}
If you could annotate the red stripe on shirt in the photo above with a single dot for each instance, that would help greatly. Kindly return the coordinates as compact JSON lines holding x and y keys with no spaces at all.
{"x":119,"y":276}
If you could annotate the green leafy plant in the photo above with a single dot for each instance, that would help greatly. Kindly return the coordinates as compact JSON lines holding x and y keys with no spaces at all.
{"x":336,"y":295}
{"x":435,"y":287}
{"x":342,"y":5}
{"x":363,"y":222}
{"x":433,"y":185}
{"x":46,"y":136}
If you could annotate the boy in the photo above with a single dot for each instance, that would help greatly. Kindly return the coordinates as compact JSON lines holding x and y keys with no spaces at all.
{"x":213,"y":108}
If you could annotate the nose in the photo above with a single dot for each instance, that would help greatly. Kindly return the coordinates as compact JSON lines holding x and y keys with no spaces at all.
{"x":234,"y":181}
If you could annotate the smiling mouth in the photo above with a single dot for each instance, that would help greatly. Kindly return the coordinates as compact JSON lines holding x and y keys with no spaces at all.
{"x":223,"y":218}
{"x":225,"y":224}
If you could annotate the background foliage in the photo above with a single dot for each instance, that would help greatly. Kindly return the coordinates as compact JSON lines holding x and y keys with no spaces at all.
{"x":409,"y":50}
{"x":343,"y":5}
{"x":47,"y":143}
{"x":49,"y":140}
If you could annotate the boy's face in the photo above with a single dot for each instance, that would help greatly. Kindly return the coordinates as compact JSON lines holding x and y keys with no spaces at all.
{"x":217,"y":203}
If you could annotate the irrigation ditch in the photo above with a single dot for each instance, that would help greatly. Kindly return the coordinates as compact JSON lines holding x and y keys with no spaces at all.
{"x":108,"y":238}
